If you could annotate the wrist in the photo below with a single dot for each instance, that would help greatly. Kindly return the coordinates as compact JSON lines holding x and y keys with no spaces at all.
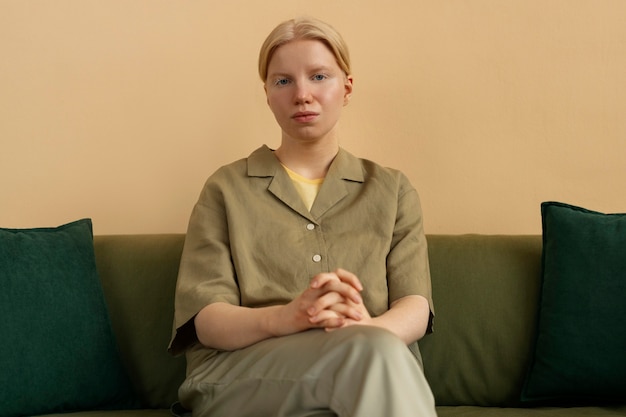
{"x":271,"y":320}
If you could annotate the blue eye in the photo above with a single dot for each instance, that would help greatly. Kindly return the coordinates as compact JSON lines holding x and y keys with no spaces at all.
{"x":319,"y":77}
{"x":281,"y":81}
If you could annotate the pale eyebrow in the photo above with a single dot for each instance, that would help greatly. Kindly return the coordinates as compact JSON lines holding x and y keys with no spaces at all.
{"x":322,"y":68}
{"x":312,"y":70}
{"x":278,"y":75}
{"x":325,"y":69}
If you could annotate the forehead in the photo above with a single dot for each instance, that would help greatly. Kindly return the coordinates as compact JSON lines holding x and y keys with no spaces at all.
{"x":302,"y":53}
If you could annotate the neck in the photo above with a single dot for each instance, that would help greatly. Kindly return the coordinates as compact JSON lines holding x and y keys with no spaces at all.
{"x":311,"y":160}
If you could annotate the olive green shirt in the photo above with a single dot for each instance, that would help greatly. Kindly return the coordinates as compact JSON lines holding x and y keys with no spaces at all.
{"x":252,"y":242}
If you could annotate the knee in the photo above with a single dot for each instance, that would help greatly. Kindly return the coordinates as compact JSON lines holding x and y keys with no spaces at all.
{"x":374,"y":341}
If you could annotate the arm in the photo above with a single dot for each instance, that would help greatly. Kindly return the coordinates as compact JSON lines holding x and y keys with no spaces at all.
{"x":407,"y":317}
{"x":228,"y":327}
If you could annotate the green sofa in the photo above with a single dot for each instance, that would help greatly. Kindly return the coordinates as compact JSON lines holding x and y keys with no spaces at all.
{"x":486,"y":291}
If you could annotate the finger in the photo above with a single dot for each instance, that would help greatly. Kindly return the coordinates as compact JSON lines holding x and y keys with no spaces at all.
{"x":336,"y":304}
{"x":327,"y":319}
{"x":346,"y":310}
{"x":350,"y":278}
{"x":324,"y":301}
{"x":344,"y":289}
{"x":320,"y":280}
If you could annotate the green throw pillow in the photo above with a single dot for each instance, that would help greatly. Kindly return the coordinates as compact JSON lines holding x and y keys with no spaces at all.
{"x":58,"y":352}
{"x":580,"y":351}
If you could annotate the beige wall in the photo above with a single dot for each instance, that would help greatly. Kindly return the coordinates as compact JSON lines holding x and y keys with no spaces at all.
{"x":118,"y":110}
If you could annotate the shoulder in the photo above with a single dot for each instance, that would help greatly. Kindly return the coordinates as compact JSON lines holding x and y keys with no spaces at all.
{"x":261,"y":163}
{"x":233,"y":177}
{"x":225,"y":176}
{"x":375,"y":174}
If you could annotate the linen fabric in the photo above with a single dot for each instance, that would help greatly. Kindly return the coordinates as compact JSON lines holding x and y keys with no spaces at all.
{"x":580,"y":351}
{"x":58,"y":352}
{"x":252,"y":242}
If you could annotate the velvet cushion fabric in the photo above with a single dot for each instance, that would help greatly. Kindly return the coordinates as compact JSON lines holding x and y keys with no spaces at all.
{"x":580,"y":351}
{"x":58,"y":351}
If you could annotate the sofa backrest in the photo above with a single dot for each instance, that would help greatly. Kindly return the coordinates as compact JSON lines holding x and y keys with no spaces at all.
{"x":138,"y":274}
{"x":486,"y":291}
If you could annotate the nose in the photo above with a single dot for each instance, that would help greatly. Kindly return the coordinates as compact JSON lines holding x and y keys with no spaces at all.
{"x":302,"y":93}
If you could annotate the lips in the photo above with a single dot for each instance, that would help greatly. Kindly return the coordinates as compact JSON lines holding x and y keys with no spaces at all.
{"x":304,"y":116}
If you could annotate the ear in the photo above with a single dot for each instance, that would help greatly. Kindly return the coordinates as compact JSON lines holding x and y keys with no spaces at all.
{"x":267,"y":100}
{"x":348,"y":84}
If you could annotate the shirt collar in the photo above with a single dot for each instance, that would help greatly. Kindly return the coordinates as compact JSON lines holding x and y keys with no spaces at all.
{"x":263,"y":163}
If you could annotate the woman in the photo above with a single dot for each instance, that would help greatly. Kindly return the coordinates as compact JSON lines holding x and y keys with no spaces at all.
{"x":304,"y":275}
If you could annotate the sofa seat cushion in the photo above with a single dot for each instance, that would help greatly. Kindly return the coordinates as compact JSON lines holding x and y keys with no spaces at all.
{"x":120,"y":413}
{"x":469,"y":411}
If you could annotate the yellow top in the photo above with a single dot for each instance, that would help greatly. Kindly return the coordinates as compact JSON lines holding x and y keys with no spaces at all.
{"x":307,"y":188}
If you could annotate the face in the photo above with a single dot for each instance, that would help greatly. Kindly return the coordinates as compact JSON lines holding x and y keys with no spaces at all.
{"x":306,"y":90}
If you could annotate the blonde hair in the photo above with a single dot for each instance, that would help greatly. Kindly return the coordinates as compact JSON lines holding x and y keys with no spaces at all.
{"x":304,"y":28}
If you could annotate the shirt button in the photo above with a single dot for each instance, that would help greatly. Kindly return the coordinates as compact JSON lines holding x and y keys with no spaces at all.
{"x":317,"y":258}
{"x":310,"y":226}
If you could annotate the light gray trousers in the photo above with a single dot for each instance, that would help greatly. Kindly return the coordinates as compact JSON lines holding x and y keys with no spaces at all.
{"x":359,"y":371}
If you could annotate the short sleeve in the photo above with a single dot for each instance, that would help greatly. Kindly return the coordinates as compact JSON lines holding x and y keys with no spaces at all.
{"x":206,"y":274}
{"x":408,"y":270}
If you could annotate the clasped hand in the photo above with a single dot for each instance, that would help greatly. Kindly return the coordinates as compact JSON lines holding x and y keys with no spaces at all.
{"x":331,"y":301}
